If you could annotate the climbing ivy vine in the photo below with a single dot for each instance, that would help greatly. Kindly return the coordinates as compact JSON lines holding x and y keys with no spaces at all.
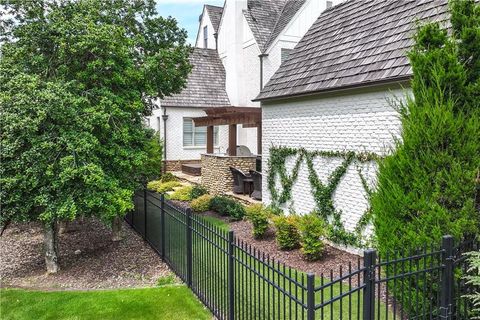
{"x":322,"y":193}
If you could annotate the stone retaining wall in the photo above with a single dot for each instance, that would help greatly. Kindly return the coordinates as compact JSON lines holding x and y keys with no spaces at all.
{"x":216,"y":174}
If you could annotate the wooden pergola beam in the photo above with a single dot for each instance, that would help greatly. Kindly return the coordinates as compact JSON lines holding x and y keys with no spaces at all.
{"x":253,"y":119}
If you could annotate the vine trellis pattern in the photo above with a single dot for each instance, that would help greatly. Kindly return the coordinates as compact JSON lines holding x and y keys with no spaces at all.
{"x":322,"y":193}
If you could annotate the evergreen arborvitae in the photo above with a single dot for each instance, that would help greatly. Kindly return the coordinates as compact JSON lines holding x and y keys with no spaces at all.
{"x":428,"y":186}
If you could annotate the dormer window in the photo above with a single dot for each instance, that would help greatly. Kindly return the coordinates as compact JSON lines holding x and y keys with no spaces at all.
{"x":205,"y":37}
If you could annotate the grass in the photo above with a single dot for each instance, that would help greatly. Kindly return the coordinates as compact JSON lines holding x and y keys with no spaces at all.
{"x":217,"y":222}
{"x":170,"y":302}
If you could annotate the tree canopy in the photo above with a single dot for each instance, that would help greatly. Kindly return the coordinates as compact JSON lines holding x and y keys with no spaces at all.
{"x":428,"y":187}
{"x":77,"y":79}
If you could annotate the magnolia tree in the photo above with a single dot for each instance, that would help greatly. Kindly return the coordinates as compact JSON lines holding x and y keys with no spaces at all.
{"x":76,"y":80}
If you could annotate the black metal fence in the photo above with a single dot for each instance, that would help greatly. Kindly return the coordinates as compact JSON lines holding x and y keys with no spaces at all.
{"x":237,"y":281}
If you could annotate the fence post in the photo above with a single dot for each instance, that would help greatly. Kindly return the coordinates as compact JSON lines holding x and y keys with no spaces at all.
{"x":145,"y":194}
{"x":369,"y":259}
{"x":446,"y":295}
{"x":189,"y":247}
{"x":311,"y":296}
{"x":231,"y":276}
{"x":162,"y":223}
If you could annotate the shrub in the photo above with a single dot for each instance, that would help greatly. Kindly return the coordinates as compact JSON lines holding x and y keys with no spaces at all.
{"x":227,"y":207}
{"x":287,"y":236}
{"x":202,"y":203}
{"x":154,"y":185}
{"x":198,"y":191}
{"x":258,"y":215}
{"x":182,"y":194}
{"x":312,"y":229}
{"x":167,"y":177}
{"x":474,"y":280}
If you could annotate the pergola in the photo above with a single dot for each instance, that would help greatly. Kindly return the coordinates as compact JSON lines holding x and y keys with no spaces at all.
{"x":248,"y":117}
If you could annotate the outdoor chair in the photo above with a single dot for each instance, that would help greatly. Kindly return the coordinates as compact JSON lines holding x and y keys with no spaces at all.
{"x":240,"y":179}
{"x":257,"y":184}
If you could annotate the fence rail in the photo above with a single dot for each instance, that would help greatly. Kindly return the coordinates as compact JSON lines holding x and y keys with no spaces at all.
{"x":237,"y":281}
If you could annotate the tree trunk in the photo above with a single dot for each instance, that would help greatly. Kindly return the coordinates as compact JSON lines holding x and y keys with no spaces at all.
{"x":117,"y":229}
{"x":51,"y":247}
{"x":63,"y":227}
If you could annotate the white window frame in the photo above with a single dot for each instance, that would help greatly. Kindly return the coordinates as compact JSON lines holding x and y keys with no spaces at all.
{"x":216,"y":136}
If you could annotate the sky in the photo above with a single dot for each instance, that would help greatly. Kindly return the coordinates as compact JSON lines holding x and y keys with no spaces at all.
{"x":186,"y":12}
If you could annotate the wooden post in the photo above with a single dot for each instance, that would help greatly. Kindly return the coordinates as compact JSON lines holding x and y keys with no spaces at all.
{"x":259,"y":139}
{"x":210,"y":139}
{"x":232,"y":140}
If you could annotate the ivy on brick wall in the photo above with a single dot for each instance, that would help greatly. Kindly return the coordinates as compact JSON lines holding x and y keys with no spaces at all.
{"x":322,"y":193}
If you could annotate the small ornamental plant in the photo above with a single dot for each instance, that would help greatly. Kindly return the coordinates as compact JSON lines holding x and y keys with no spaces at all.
{"x":287,"y":234}
{"x":198,"y":191}
{"x":473,"y":279}
{"x":201,"y":204}
{"x":182,"y":194}
{"x":227,"y":207}
{"x":312,"y":229}
{"x":259,"y":216}
{"x":167,"y":177}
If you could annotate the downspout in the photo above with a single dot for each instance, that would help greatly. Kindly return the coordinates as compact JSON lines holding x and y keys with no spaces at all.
{"x":261,"y":56}
{"x":165,"y":118}
{"x":215,"y":35}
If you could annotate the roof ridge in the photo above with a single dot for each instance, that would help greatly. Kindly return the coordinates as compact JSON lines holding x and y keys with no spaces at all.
{"x":276,"y":23}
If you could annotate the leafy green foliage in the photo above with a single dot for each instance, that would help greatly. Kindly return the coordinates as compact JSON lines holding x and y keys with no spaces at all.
{"x":152,"y":168}
{"x":182,"y":194}
{"x":287,"y":236}
{"x":427,"y":186}
{"x":201,"y":204}
{"x":76,"y":80}
{"x":473,"y":278}
{"x":259,"y":216}
{"x":198,"y":191}
{"x":312,"y":230}
{"x":227,"y":207}
{"x":322,"y":193}
{"x":167,"y":177}
{"x":162,"y":187}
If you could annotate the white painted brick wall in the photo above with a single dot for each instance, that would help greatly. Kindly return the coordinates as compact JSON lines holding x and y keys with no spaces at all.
{"x":353,"y":121}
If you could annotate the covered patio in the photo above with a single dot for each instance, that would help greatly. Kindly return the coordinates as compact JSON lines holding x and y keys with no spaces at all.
{"x":216,"y":174}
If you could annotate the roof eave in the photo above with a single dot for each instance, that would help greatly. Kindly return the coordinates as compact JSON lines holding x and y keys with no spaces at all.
{"x":397,"y":80}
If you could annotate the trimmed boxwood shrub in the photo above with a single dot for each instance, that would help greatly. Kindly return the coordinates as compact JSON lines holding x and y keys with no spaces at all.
{"x":182,"y":194}
{"x":198,"y":191}
{"x":287,"y":235}
{"x":227,"y":207}
{"x":201,"y":204}
{"x":312,"y":229}
{"x":259,"y":216}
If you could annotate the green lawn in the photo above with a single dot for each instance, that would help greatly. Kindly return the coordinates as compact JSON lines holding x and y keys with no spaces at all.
{"x":170,"y":302}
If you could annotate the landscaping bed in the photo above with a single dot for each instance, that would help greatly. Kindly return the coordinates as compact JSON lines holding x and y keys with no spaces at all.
{"x":88,"y":258}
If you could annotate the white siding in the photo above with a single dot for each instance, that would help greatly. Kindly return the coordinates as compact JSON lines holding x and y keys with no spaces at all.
{"x":361,"y":121}
{"x":175,"y":148}
{"x":205,"y":22}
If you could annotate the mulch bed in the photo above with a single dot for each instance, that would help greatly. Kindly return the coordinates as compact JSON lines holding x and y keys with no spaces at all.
{"x":88,"y":258}
{"x":329,"y":264}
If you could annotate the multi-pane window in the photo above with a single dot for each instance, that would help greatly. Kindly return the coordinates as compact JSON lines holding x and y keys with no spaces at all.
{"x":196,"y":136}
{"x":205,"y":37}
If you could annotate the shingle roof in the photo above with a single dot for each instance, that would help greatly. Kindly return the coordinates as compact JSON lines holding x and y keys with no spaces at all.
{"x":355,"y":43}
{"x":215,"y":14}
{"x":267,"y":18}
{"x":205,"y":85}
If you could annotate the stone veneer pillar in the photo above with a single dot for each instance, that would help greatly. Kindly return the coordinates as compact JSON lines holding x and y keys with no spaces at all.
{"x":216,"y":174}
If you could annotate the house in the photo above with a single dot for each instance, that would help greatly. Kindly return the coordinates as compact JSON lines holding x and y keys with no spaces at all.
{"x":238,"y":48}
{"x":329,"y":110}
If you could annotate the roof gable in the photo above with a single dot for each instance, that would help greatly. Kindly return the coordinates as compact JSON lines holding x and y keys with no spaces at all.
{"x":355,"y":43}
{"x":205,"y":85}
{"x":267,"y":18}
{"x":215,"y":14}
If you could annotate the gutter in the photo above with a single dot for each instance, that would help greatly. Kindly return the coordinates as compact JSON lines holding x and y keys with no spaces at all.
{"x":165,"y":118}
{"x":261,"y":56}
{"x":337,"y":89}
